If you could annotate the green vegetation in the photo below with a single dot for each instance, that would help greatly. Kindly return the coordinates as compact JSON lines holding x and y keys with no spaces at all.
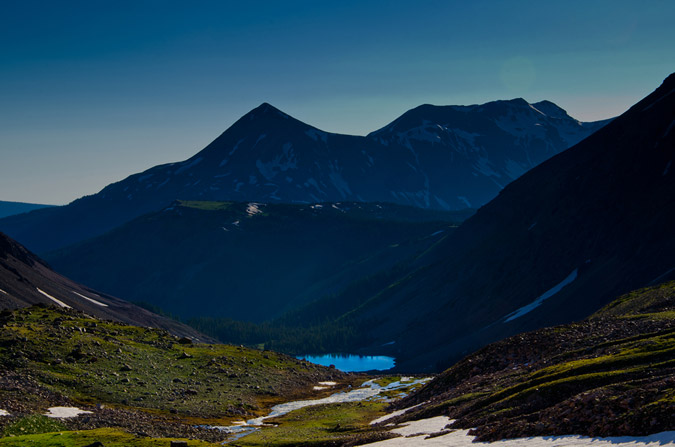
{"x":54,"y":357}
{"x":657,"y":301}
{"x":109,"y":437}
{"x":31,"y":425}
{"x":317,"y":425}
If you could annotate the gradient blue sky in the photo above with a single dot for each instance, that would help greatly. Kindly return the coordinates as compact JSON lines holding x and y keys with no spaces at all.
{"x":93,"y":91}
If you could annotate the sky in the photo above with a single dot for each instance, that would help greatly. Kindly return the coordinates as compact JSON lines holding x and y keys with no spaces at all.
{"x":93,"y":91}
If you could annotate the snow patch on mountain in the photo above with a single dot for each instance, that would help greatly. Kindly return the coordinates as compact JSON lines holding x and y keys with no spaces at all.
{"x":253,"y":208}
{"x":56,"y":300}
{"x":98,"y":303}
{"x":548,"y":294}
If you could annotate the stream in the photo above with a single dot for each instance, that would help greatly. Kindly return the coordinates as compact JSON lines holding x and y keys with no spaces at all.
{"x":367,"y":390}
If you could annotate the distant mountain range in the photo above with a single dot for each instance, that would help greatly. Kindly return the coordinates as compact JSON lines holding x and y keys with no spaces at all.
{"x":450,"y":158}
{"x":557,"y":244}
{"x":250,"y":261}
{"x":12,"y":208}
{"x":25,"y":280}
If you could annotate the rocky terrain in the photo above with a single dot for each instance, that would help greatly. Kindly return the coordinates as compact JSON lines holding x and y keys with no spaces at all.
{"x":612,"y":374}
{"x":144,"y":381}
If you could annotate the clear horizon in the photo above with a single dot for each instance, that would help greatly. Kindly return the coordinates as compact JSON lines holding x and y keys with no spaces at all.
{"x":94,"y":92}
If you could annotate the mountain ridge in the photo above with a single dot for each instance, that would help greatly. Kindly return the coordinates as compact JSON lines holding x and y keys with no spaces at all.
{"x":269,"y":156}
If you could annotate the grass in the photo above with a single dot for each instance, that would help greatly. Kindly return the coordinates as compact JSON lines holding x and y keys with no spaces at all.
{"x":317,"y":425}
{"x":101,"y":361}
{"x":109,"y":437}
{"x":33,"y":424}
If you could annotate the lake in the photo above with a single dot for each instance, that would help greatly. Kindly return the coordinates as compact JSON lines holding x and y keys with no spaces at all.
{"x":351,"y":362}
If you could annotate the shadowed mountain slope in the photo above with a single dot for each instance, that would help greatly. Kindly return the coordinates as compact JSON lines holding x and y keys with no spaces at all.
{"x":25,"y":280}
{"x":557,"y":244}
{"x":249,"y":261}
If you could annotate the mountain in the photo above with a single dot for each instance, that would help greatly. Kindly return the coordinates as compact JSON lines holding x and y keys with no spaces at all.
{"x":556,"y":244}
{"x":268,"y":156}
{"x":26,"y":280}
{"x":467,"y":154}
{"x":250,"y":261}
{"x":610,"y":375}
{"x":12,"y":208}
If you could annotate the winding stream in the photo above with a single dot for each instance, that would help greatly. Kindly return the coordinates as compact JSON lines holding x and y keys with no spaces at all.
{"x":367,"y":390}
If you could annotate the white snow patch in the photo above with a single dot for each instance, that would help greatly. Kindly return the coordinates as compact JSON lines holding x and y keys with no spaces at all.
{"x":386,"y":417}
{"x":65,"y":412}
{"x":438,"y":232}
{"x":423,"y":426}
{"x":253,"y":208}
{"x":461,"y":438}
{"x":2,"y":291}
{"x":90,"y":299}
{"x":57,"y":301}
{"x":532,"y":226}
{"x":328,"y":383}
{"x":548,"y":294}
{"x":4,"y":412}
{"x":193,"y":163}
{"x":318,"y":388}
{"x":665,"y":171}
{"x":143,"y":178}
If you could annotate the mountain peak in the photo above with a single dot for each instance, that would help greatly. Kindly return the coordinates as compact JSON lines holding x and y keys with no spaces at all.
{"x":266,"y":110}
{"x":551,"y":110}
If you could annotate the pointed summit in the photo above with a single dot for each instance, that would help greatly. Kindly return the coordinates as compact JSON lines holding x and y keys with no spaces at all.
{"x":266,"y":110}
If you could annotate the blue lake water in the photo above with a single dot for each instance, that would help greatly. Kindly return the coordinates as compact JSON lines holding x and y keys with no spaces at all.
{"x":351,"y":362}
